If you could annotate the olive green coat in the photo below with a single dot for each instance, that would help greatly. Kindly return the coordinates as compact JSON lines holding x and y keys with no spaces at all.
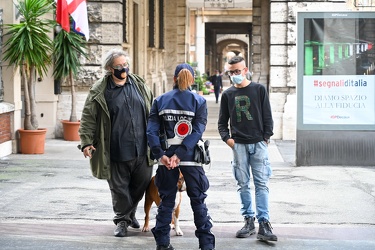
{"x":95,"y":126}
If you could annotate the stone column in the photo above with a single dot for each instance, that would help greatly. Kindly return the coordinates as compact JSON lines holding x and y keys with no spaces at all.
{"x":265,"y":41}
{"x":200,"y":43}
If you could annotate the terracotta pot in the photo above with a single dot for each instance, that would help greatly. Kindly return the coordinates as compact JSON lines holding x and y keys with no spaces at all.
{"x":70,"y":130}
{"x":32,"y":141}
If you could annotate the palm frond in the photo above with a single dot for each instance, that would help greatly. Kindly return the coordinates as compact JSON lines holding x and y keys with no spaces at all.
{"x":28,"y":41}
{"x":68,"y":48}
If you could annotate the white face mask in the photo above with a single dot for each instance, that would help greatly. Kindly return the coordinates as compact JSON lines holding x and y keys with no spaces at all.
{"x":237,"y":79}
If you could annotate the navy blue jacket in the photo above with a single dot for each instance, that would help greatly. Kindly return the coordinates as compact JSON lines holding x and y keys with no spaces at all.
{"x":183,"y":115}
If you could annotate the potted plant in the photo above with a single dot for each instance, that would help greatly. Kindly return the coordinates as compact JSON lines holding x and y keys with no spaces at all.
{"x":29,"y":47}
{"x":68,"y":47}
{"x":199,"y":82}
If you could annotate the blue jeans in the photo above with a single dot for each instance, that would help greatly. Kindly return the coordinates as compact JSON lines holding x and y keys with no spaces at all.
{"x":254,"y":157}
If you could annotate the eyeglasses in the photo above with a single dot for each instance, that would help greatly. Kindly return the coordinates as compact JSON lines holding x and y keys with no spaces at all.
{"x":235,"y":72}
{"x":121,"y":66}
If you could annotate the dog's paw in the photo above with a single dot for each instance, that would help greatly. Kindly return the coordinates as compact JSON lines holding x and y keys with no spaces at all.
{"x":178,"y":232}
{"x":145,"y":229}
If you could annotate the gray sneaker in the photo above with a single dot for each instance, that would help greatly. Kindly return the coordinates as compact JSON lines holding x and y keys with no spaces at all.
{"x":166,"y":247}
{"x":121,"y":229}
{"x":248,"y":229}
{"x":265,"y":231}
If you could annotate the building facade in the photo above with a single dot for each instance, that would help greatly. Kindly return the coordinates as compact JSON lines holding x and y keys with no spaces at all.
{"x":158,"y":34}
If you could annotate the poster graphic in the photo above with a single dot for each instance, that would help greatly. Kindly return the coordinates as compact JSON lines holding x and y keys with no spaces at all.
{"x":339,"y":99}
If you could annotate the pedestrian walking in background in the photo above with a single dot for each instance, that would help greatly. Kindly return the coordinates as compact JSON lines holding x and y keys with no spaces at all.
{"x":113,"y":136}
{"x":247,"y":107}
{"x":217,"y":82}
{"x":182,"y":115}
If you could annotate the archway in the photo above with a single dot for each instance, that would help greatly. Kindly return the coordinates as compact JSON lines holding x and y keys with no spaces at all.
{"x":229,"y":46}
{"x":222,"y":38}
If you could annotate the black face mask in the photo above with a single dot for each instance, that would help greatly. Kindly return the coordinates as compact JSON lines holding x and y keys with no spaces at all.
{"x":121,"y":74}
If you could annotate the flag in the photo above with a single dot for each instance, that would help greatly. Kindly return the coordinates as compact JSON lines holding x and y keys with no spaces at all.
{"x":62,"y":15}
{"x":78,"y":10}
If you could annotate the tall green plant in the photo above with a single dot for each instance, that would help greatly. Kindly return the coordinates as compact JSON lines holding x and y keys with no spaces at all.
{"x":68,"y":47}
{"x":29,"y":47}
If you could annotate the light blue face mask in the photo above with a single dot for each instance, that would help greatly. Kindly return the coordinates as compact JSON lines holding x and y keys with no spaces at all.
{"x":237,"y":79}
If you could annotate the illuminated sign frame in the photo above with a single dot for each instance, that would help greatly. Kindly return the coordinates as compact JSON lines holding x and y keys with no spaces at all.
{"x":335,"y":71}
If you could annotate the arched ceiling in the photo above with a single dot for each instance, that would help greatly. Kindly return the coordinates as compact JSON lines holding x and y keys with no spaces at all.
{"x":222,"y":44}
{"x":235,"y":37}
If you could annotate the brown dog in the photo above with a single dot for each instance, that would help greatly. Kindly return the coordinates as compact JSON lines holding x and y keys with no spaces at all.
{"x":152,"y":195}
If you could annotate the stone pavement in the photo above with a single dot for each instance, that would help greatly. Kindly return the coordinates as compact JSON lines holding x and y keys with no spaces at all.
{"x":51,"y":201}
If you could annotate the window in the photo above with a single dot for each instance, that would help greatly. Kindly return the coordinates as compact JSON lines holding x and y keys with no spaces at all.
{"x":151,"y":27}
{"x":124,"y":22}
{"x":161,"y":24}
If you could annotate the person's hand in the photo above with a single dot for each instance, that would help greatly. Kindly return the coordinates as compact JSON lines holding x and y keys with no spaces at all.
{"x":165,"y":160}
{"x":89,"y":151}
{"x":230,"y":142}
{"x":267,"y":141}
{"x":175,"y":161}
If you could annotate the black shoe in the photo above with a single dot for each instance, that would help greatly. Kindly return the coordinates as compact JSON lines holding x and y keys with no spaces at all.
{"x":135,"y":223}
{"x":265,"y":231}
{"x":165,"y":247}
{"x":121,"y":229}
{"x":248,"y":229}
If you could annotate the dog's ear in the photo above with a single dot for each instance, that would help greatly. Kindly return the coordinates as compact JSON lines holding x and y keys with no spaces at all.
{"x":181,"y":183}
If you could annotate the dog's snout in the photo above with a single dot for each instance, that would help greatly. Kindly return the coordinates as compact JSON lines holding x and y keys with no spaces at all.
{"x":183,"y":187}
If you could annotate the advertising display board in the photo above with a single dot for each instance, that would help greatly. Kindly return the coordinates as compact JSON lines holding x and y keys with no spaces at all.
{"x":335,"y":88}
{"x":336,"y":54}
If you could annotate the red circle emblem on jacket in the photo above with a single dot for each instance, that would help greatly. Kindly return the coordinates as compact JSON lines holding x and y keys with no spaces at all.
{"x":183,"y":128}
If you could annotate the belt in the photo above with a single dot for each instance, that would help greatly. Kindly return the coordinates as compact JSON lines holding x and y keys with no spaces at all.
{"x":187,"y":164}
{"x":174,"y":141}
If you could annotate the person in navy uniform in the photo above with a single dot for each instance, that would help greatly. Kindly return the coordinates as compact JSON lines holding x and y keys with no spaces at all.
{"x":182,"y":115}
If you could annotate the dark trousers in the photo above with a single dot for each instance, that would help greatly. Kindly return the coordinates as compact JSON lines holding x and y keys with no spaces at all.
{"x":196,"y":186}
{"x":128,"y":183}
{"x":217,"y":93}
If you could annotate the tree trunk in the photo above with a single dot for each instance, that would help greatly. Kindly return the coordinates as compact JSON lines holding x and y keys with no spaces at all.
{"x":24,"y":78}
{"x":31,"y":83}
{"x":73,"y":113}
